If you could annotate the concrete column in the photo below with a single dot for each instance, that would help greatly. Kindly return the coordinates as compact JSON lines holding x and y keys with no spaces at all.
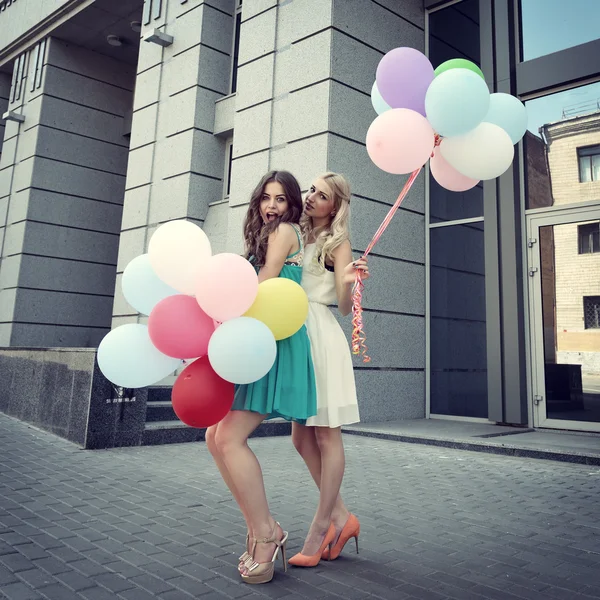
{"x":303,"y":104}
{"x":5,"y":79}
{"x":4,"y":93}
{"x":282,"y":104}
{"x":392,"y":386}
{"x":175,"y":162}
{"x":63,"y":172}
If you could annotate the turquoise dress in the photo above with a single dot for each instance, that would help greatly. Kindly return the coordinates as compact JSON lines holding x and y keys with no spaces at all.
{"x":288,"y":390}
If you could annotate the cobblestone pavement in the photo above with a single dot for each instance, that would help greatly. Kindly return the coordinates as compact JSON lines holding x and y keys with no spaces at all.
{"x":157,"y":522}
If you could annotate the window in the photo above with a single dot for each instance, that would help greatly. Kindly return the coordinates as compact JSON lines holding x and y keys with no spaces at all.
{"x":457,"y":351}
{"x":589,"y":238}
{"x":591,"y":312}
{"x":236,"y":45}
{"x":453,"y":32}
{"x":589,"y":163}
{"x":559,"y":123}
{"x":228,"y":161}
{"x":549,"y":26}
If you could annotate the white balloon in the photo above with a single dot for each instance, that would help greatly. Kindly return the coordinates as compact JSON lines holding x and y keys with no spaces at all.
{"x":242,"y":350}
{"x":142,"y":288}
{"x":127,"y":357}
{"x":483,"y":153}
{"x":177,"y":250}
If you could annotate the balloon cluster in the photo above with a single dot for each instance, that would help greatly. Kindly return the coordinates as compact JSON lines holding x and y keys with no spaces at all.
{"x":207,"y":310}
{"x":446,"y":114}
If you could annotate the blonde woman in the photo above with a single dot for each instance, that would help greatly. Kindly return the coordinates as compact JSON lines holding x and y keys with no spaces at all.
{"x":327,"y":277}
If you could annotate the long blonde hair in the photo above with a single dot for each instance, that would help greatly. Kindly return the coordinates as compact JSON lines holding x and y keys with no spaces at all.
{"x":328,"y":238}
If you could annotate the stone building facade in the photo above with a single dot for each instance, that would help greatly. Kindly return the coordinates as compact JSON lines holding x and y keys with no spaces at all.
{"x":570,"y":146}
{"x":121,"y":135}
{"x":120,"y":115}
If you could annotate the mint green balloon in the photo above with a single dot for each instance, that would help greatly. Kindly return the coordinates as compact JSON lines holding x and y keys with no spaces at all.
{"x":459,"y":63}
{"x":379,"y":104}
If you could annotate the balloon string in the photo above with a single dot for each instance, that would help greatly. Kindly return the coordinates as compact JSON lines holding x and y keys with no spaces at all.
{"x":437,"y":142}
{"x":359,"y":346}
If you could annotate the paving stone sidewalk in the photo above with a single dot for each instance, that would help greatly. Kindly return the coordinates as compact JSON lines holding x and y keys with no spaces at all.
{"x":157,"y":522}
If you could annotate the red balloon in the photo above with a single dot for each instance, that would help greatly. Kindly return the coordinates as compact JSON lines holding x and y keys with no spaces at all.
{"x":178,"y":327}
{"x":200,"y":397}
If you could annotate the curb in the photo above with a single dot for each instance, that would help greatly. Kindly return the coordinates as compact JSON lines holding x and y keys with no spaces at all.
{"x":500,"y":449}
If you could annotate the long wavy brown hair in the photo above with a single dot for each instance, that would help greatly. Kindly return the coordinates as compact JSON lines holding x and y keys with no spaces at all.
{"x":256,"y":231}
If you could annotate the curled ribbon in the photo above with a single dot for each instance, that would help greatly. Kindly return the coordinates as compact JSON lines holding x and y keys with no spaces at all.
{"x":359,"y":346}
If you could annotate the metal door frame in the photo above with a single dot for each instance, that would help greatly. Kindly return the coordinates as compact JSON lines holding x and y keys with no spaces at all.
{"x":535,"y":220}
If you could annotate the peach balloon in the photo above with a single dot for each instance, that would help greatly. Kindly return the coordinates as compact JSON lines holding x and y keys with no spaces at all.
{"x":227,"y":286}
{"x":447,"y":176}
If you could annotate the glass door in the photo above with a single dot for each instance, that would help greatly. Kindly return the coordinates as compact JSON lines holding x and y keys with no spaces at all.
{"x":564,"y":294}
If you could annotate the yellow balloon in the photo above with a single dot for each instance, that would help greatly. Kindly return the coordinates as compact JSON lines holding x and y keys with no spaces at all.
{"x":282,"y":305}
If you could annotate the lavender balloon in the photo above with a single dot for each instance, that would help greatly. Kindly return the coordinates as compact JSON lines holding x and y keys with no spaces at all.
{"x":403,"y":76}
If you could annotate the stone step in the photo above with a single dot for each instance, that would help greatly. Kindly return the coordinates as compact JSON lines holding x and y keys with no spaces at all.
{"x":176,"y":432}
{"x":161,"y":410}
{"x":159,"y":394}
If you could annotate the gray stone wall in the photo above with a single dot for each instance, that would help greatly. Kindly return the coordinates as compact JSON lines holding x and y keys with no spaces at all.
{"x":21,"y":16}
{"x":64,"y":174}
{"x":302,"y":103}
{"x":175,"y":162}
{"x":62,"y":390}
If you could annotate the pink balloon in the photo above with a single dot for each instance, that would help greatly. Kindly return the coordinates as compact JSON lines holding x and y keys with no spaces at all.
{"x":447,"y":176}
{"x":178,"y":327}
{"x":400,"y":140}
{"x":227,"y":287}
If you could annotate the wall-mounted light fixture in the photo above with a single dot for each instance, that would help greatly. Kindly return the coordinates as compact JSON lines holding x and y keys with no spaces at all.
{"x":158,"y":37}
{"x":11,"y":115}
{"x":136,"y":26}
{"x":114,"y":40}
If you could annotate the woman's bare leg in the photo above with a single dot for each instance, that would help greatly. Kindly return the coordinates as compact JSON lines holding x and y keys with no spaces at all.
{"x":245,"y":474}
{"x":211,"y":435}
{"x":323,"y":452}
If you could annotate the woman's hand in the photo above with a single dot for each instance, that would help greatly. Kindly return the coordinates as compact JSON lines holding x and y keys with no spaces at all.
{"x":349,"y":275}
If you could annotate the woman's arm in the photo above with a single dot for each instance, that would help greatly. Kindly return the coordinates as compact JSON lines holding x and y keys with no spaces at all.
{"x":344,"y":270}
{"x":281,"y":242}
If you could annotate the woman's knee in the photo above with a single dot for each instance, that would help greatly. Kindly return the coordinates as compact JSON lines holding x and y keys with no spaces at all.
{"x":210,"y":438}
{"x":328,"y":438}
{"x":302,"y":438}
{"x":218,"y":439}
{"x":233,"y":431}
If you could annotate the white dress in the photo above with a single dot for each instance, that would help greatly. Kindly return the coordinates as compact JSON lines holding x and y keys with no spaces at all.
{"x":336,"y":390}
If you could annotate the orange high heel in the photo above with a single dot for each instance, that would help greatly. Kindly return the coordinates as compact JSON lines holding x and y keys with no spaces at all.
{"x":350,"y":530}
{"x":301,"y":560}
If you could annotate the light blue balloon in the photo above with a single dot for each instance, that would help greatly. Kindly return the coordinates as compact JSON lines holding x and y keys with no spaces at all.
{"x":127,"y":357}
{"x":141,"y":286}
{"x":379,"y":104}
{"x":456,"y":102}
{"x":509,"y":113}
{"x":242,"y":350}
